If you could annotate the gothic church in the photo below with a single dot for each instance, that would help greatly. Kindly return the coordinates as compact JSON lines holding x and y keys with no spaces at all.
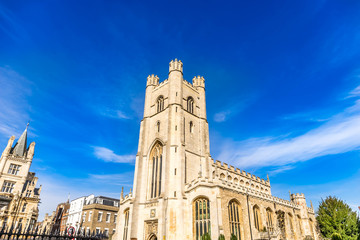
{"x":180,"y":192}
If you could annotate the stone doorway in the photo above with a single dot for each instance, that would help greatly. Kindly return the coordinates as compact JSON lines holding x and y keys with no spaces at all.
{"x":153,"y":237}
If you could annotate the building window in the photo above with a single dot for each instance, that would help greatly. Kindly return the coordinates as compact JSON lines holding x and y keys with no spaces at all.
{"x":14,"y":169}
{"x":190,"y":105}
{"x":97,"y":231}
{"x":156,"y":169}
{"x":28,"y":193}
{"x":311,"y":227}
{"x":8,"y":187}
{"x":100,"y":216}
{"x":160,"y":104}
{"x":84,"y":217}
{"x":106,"y":232}
{"x":90,"y":213}
{"x":191,"y":127}
{"x":115,"y":217}
{"x":24,"y":207}
{"x":234,"y":218}
{"x":269,"y":222}
{"x":108,"y":215}
{"x":257,"y":217}
{"x":201,"y":213}
{"x":291,"y":223}
{"x":126,"y":223}
{"x":299,"y":222}
{"x":158,"y":126}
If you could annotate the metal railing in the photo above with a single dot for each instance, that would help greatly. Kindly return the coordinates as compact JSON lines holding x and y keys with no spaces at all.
{"x":16,"y":233}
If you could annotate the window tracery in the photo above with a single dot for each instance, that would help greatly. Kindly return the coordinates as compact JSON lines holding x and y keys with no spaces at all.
{"x":234,"y":218}
{"x":201,"y":213}
{"x":160,"y":104}
{"x":156,"y":170}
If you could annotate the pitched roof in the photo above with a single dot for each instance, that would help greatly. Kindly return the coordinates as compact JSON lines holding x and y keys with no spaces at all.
{"x":21,"y":145}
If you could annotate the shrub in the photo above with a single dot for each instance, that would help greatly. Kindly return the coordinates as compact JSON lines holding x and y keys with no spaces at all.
{"x":233,"y":237}
{"x":336,"y":236}
{"x":221,"y":237}
{"x":206,"y":236}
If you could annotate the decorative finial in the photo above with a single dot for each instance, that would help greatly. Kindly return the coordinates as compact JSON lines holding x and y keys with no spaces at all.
{"x":312,"y":207}
{"x":122,"y":193}
{"x":130,"y":191}
{"x":290,"y":194}
{"x":267,"y":176}
{"x":27,"y":125}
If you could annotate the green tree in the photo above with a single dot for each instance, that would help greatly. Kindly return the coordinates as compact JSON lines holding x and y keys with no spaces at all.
{"x":206,"y":236}
{"x":335,"y":216}
{"x":221,"y":237}
{"x":233,"y":237}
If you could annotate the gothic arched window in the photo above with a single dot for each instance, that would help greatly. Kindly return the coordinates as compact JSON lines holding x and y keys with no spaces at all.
{"x":269,"y":221}
{"x":291,"y":225}
{"x":160,"y":104}
{"x":234,"y":218}
{"x":256,"y":211}
{"x":190,"y":104}
{"x":126,"y":223}
{"x":156,"y":169}
{"x":299,"y":223}
{"x":191,"y":127}
{"x":158,"y":126}
{"x":201,"y":213}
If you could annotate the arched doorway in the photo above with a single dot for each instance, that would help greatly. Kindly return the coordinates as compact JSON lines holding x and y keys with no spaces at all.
{"x":153,"y":237}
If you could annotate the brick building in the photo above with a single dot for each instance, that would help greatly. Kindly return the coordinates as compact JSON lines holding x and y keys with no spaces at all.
{"x":99,"y":215}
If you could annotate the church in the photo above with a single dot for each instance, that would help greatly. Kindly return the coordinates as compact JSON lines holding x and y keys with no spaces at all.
{"x":180,"y":192}
{"x":19,"y":195}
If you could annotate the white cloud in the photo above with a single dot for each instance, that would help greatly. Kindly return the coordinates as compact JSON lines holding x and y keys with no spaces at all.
{"x":14,"y":92}
{"x":114,"y":114}
{"x":339,"y":134}
{"x":221,"y":116}
{"x":108,"y":155}
{"x":122,"y":179}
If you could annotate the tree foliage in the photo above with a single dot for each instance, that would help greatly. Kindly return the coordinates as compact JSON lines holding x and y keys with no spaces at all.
{"x":233,"y":237}
{"x":206,"y":236}
{"x":336,"y":218}
{"x":221,"y":237}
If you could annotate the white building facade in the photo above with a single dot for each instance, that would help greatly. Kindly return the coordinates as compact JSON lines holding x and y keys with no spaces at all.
{"x":180,"y":192}
{"x":76,"y":206}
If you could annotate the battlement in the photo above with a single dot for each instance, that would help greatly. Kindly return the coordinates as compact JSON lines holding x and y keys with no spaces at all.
{"x":198,"y":81}
{"x":239,"y":172}
{"x":248,"y":190}
{"x":176,"y":65}
{"x":297,"y":196}
{"x":152,"y":80}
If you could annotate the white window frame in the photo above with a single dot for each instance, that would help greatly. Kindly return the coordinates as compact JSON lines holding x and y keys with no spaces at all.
{"x":108,"y":217}
{"x":100,"y":215}
{"x":14,"y":169}
{"x":90,"y":213}
{"x":8,"y":186}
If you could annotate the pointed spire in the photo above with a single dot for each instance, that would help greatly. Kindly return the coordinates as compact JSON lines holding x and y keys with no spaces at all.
{"x":122,"y":193}
{"x":21,"y":145}
{"x":312,"y":207}
{"x":267,"y":176}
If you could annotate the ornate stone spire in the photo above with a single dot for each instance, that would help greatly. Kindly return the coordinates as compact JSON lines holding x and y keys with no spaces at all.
{"x":21,"y":145}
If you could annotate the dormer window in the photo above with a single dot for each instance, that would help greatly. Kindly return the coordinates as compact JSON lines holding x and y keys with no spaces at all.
{"x":190,"y":105}
{"x":160,"y":104}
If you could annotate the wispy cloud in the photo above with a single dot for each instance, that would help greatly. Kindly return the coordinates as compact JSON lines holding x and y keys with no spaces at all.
{"x":339,"y":134}
{"x":113,"y":113}
{"x":14,"y":92}
{"x":122,"y":179}
{"x":222,"y":116}
{"x":108,"y":155}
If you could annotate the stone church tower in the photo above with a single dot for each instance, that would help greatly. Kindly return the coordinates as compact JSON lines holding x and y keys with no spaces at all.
{"x":18,"y":185}
{"x":181,"y":193}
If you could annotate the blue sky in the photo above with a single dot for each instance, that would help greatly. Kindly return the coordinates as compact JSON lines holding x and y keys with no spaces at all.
{"x":282,"y":85}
